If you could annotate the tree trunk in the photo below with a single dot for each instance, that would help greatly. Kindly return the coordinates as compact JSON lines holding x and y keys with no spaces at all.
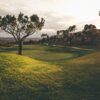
{"x":20,"y":45}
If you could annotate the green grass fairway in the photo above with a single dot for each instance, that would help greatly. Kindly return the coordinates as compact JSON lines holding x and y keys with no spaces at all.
{"x":48,"y":53}
{"x":49,"y":73}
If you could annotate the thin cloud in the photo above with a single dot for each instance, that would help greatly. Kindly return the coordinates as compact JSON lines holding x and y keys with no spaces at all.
{"x":59,"y":14}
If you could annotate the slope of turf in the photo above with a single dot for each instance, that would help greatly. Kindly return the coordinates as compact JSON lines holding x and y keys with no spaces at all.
{"x":82,"y":80}
{"x":22,"y":77}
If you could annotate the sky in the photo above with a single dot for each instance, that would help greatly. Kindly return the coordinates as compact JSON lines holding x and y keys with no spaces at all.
{"x":59,"y":14}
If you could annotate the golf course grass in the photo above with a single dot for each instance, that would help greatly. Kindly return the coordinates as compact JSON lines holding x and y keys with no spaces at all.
{"x":49,"y":73}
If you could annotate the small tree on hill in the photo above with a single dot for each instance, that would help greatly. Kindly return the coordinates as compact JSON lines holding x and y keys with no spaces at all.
{"x":21,"y":27}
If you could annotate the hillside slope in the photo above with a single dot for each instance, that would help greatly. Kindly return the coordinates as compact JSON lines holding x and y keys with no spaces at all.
{"x":23,"y":78}
{"x":82,"y":80}
{"x":88,"y":59}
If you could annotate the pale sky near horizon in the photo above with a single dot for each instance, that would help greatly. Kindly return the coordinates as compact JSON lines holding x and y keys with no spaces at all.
{"x":59,"y":14}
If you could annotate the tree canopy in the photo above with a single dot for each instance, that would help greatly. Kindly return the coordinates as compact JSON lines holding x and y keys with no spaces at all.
{"x":21,"y":27}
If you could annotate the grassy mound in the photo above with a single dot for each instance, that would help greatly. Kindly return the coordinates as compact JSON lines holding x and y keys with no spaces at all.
{"x":82,"y":80}
{"x":93,"y":58}
{"x":23,"y":78}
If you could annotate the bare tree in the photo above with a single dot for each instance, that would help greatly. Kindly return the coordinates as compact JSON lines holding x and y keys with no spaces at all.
{"x":21,"y":27}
